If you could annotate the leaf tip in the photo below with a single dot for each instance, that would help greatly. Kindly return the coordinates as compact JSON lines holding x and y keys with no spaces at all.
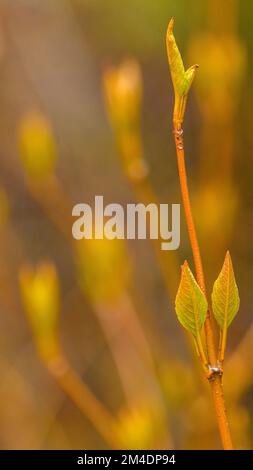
{"x":184,"y":269}
{"x":185,"y":265}
{"x":228,"y":260}
{"x":170,"y":26}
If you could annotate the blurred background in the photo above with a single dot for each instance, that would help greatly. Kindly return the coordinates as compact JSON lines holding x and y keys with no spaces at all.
{"x":91,"y":353}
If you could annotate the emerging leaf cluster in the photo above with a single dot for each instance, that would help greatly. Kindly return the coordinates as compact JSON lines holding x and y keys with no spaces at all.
{"x":191,"y":304}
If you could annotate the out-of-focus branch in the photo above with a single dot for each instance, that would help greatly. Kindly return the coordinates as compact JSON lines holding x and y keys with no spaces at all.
{"x":40,"y":296}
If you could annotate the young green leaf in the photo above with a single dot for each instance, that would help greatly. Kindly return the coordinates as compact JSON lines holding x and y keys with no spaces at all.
{"x":181,"y":78}
{"x":225,"y":296}
{"x":191,"y":304}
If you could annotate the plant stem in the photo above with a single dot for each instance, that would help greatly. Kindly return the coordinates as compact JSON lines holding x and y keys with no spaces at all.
{"x":215,"y":379}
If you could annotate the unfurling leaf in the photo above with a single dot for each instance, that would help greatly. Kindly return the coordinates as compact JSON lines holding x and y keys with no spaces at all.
{"x":191,"y":304}
{"x":225,"y":296}
{"x":181,"y":78}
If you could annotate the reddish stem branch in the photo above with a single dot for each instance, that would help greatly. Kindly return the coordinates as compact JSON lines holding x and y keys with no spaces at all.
{"x":215,"y":378}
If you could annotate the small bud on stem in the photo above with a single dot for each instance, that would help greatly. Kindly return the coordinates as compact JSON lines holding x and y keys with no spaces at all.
{"x":181,"y":78}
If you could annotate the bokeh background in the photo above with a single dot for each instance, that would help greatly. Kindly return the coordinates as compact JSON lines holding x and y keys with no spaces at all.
{"x":91,"y":353}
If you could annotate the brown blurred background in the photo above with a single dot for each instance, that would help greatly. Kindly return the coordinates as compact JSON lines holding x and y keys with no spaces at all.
{"x":110,"y":350}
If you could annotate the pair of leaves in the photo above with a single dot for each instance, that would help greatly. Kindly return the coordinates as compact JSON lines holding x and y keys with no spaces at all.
{"x":191,"y":303}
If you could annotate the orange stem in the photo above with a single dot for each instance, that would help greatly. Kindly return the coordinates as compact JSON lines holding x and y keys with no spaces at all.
{"x":215,"y":377}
